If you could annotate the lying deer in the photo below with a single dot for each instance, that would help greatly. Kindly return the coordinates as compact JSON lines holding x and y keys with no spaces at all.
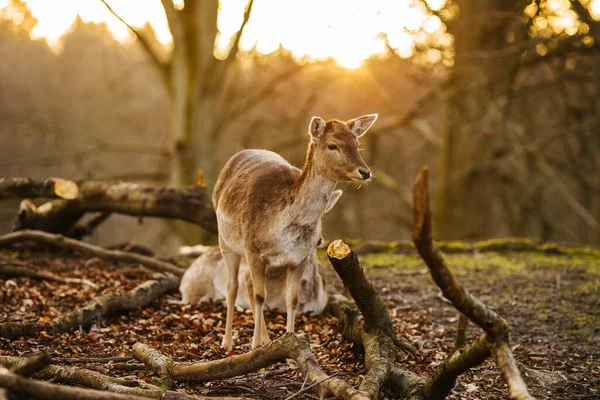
{"x":270,"y":212}
{"x":206,"y":280}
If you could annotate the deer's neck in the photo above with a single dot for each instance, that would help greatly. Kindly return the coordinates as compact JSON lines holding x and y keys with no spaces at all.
{"x":311,"y":192}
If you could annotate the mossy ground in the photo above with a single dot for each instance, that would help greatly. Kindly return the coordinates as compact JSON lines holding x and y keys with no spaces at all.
{"x":551,"y":302}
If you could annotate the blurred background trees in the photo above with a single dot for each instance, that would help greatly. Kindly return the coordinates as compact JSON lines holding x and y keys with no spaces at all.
{"x":500,"y":98}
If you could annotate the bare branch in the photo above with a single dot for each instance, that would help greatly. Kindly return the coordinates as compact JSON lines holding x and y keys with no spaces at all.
{"x":29,"y":388}
{"x":97,"y":308}
{"x":158,"y":362}
{"x":291,"y":346}
{"x":173,"y":20}
{"x":224,"y":66}
{"x":86,"y":248}
{"x":254,"y":99}
{"x":494,"y":325}
{"x":9,"y":269}
{"x":146,"y":44}
{"x":32,"y":365}
{"x":461,"y":332}
{"x":106,"y":387}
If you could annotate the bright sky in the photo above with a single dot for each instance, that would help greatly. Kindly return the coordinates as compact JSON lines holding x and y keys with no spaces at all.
{"x":345,"y":30}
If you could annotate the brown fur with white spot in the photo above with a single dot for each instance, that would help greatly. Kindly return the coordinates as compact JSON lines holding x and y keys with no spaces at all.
{"x":270,"y":212}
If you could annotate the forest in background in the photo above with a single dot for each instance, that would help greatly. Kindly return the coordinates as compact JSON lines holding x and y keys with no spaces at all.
{"x":507,"y":118}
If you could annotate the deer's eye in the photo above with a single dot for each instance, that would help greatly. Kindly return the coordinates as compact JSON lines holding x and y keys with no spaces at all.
{"x":332,"y":147}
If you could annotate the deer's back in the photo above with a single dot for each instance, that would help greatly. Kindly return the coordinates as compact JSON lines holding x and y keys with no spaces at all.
{"x":253,"y":187}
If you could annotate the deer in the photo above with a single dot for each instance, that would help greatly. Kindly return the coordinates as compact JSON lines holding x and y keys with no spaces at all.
{"x":270,"y":211}
{"x":206,"y":279}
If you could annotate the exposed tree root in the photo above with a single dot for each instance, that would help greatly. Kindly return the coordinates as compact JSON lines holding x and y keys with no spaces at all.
{"x":289,"y":345}
{"x":86,"y":248}
{"x":190,"y":204}
{"x":97,"y":308}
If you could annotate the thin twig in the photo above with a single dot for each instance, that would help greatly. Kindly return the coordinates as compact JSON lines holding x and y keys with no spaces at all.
{"x":304,"y":389}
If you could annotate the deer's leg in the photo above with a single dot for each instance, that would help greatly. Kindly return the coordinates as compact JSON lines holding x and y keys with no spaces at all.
{"x":250,"y":289}
{"x":233,"y":265}
{"x":294,"y":277}
{"x":257,"y":270}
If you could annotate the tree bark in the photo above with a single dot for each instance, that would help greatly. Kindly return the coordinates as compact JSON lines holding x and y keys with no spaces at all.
{"x":289,"y":345}
{"x":480,"y":79}
{"x":86,"y":248}
{"x":496,"y":328}
{"x":191,"y":204}
{"x":31,"y":389}
{"x":47,"y":187}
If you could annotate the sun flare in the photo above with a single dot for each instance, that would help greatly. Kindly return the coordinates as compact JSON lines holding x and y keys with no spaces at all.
{"x":347,"y":31}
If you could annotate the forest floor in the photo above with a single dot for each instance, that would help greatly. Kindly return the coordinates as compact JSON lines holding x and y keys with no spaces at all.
{"x":551,"y":302}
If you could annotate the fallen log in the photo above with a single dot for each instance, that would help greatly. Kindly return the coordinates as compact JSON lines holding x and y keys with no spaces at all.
{"x":32,"y":389}
{"x":99,"y":386}
{"x":191,"y":204}
{"x":30,"y":188}
{"x":86,"y":248}
{"x":97,"y":308}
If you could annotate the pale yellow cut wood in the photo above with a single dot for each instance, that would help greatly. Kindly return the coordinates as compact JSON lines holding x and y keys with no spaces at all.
{"x":66,"y":189}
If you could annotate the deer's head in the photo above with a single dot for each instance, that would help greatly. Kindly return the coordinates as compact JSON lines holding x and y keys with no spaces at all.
{"x":335,"y":148}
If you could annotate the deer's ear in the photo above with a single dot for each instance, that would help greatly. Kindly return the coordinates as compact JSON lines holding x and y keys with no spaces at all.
{"x":335,"y":196}
{"x":359,"y":126}
{"x":316,"y":127}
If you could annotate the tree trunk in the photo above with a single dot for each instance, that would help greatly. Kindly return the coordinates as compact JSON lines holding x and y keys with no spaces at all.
{"x":477,"y":84}
{"x":183,"y":169}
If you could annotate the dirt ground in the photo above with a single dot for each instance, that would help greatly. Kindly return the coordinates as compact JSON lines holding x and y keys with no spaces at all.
{"x":551,"y":302}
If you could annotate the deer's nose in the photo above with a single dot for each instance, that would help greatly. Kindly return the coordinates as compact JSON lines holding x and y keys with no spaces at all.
{"x":364,"y":174}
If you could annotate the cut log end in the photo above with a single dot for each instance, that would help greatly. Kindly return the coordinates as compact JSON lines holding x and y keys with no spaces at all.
{"x":66,"y":189}
{"x":338,"y":249}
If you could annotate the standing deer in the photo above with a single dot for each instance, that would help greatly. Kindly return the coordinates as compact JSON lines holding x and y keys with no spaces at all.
{"x":206,"y":280}
{"x":270,"y":212}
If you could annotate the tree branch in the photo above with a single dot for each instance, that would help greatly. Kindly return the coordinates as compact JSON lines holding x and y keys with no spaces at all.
{"x":224,"y":66}
{"x":289,"y":345}
{"x":104,"y":386}
{"x":46,"y":187}
{"x":495,"y":326}
{"x":9,"y":269}
{"x":190,"y":204}
{"x":101,"y":306}
{"x":252,"y":100}
{"x":158,"y":362}
{"x":87,"y":248}
{"x":372,"y":329}
{"x":146,"y":45}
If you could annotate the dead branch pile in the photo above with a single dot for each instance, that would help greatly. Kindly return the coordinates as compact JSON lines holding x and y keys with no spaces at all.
{"x":366,"y":322}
